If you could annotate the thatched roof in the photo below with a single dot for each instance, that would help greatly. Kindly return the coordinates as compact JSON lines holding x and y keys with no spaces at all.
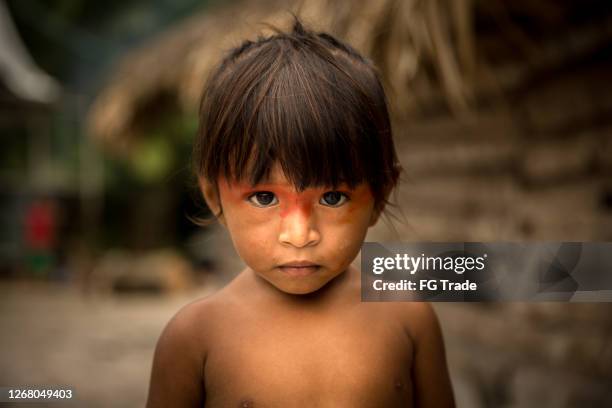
{"x":426,"y":49}
{"x":177,"y":63}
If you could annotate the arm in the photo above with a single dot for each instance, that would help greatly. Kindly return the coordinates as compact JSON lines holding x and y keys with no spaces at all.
{"x":432,"y":383}
{"x":177,"y":375}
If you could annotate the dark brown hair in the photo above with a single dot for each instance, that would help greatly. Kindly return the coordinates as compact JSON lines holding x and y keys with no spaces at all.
{"x":305,"y":100}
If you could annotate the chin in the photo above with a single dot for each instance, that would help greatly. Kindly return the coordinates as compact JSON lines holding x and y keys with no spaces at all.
{"x":303,"y":290}
{"x":299,"y":286}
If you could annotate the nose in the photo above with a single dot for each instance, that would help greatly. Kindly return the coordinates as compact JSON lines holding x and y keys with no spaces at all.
{"x":299,"y":229}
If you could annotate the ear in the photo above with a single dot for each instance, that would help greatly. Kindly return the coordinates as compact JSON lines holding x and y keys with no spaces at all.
{"x":211,"y":196}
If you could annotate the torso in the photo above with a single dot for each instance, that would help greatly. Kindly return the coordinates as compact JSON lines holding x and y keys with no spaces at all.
{"x":346,"y":354}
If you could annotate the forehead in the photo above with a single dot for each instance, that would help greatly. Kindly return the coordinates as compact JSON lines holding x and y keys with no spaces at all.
{"x":276,"y":176}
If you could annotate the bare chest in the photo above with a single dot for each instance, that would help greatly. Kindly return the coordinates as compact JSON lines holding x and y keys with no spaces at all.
{"x":347,"y":361}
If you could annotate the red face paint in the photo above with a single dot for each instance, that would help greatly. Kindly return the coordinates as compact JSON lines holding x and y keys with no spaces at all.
{"x":292,"y":201}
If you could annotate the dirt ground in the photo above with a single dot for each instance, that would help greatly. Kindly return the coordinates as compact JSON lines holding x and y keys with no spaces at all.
{"x":101,"y":346}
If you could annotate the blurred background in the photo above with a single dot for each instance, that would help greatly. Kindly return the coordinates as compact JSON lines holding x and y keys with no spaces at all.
{"x":503,"y":123}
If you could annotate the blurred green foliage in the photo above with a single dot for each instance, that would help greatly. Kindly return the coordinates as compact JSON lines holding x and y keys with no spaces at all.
{"x":160,"y":154}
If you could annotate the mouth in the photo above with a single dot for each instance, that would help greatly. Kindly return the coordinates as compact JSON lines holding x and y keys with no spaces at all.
{"x":299,"y":268}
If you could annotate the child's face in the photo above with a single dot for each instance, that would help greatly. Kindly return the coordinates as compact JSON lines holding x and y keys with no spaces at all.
{"x":297,"y":241}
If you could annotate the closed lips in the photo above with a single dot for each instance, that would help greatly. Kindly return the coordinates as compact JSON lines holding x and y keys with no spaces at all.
{"x":299,"y":264}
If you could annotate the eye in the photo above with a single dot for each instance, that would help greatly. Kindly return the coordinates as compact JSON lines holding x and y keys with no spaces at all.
{"x":333,"y":199}
{"x":263,"y":199}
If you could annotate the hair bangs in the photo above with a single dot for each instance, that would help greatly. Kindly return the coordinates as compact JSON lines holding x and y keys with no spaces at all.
{"x":310,"y":123}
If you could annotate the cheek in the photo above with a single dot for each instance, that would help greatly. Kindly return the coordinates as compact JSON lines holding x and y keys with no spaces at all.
{"x":251,"y":250}
{"x":345,"y":231}
{"x":357,"y":214}
{"x":250,"y":228}
{"x":254,"y":245}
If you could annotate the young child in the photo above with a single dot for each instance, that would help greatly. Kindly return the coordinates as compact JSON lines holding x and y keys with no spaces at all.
{"x":295,"y":158}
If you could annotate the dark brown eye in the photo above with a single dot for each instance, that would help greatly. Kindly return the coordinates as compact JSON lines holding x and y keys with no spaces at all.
{"x":263,"y":199}
{"x":333,"y":199}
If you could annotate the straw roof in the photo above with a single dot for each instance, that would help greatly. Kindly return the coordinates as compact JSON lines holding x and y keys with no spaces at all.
{"x":397,"y":34}
{"x":426,"y":50}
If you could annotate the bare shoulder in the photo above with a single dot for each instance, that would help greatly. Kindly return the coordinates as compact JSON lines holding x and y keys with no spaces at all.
{"x":418,"y":318}
{"x":192,"y":329}
{"x":186,"y":330}
{"x":200,"y":310}
{"x":177,"y":372}
{"x":198,"y":318}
